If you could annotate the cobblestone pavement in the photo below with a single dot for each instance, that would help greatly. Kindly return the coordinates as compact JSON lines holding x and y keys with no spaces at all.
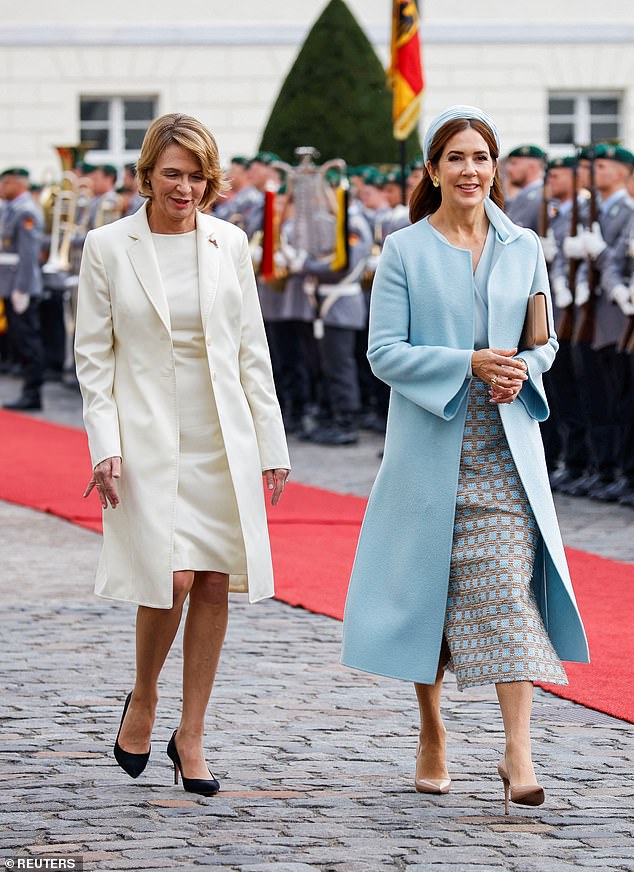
{"x":316,"y":761}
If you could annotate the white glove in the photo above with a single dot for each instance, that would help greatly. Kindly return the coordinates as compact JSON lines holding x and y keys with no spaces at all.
{"x":549,"y":245}
{"x":562,"y":293}
{"x":594,"y":241}
{"x":372,"y":263}
{"x":621,"y":296}
{"x":20,"y":301}
{"x":297,"y":261}
{"x":574,"y":246}
{"x":256,"y":254}
{"x":279,"y":260}
{"x":582,"y":293}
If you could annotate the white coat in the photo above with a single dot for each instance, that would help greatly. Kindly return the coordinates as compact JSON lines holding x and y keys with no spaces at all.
{"x":126,"y":371}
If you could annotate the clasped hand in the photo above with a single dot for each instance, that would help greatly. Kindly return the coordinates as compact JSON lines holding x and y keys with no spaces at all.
{"x":498,"y":368}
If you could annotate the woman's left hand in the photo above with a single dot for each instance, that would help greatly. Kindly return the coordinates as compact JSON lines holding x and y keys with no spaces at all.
{"x":509,"y":393}
{"x":275,"y":481}
{"x":505,"y":395}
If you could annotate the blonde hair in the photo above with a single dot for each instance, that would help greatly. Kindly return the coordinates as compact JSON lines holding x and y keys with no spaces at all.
{"x":190,"y":134}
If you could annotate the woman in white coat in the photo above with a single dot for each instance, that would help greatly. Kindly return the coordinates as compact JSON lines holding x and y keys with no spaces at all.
{"x":182,"y":421}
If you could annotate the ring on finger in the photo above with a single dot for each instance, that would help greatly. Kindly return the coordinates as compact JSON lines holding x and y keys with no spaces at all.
{"x":494,"y":380}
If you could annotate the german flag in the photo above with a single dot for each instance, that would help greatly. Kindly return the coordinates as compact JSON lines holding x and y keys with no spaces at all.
{"x":405,"y":75}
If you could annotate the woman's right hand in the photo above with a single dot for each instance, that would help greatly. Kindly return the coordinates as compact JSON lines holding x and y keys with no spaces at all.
{"x":103,"y":479}
{"x":498,"y":368}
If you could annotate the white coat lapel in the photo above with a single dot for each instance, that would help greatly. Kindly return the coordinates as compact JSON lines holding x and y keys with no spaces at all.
{"x":209,"y":255}
{"x":143,"y":258}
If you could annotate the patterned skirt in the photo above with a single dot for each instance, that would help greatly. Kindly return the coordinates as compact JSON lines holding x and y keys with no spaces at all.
{"x":493,"y":626}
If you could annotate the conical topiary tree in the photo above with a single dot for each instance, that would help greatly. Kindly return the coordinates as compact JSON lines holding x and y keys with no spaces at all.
{"x":335,"y":97}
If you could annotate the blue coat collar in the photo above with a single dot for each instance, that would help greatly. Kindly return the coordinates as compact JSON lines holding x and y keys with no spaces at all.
{"x":505,"y":229}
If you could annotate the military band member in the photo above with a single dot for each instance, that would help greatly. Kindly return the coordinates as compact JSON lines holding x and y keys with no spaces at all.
{"x":341,"y":312}
{"x":525,"y":171}
{"x":21,"y":281}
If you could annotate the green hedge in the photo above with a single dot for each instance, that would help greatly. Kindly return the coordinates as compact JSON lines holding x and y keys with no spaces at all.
{"x":335,"y":97}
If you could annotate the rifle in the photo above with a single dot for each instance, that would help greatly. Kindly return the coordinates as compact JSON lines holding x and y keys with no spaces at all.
{"x":544,"y":215}
{"x":585,"y":331}
{"x":627,"y":342}
{"x":565,"y":328}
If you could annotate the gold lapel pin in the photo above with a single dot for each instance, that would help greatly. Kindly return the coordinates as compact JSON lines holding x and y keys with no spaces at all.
{"x":213,"y":241}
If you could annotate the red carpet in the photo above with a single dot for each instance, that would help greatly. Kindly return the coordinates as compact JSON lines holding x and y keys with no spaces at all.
{"x":313,"y":536}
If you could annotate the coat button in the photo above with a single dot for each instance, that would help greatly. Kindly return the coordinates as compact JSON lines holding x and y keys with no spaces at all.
{"x":213,"y":375}
{"x":209,"y":342}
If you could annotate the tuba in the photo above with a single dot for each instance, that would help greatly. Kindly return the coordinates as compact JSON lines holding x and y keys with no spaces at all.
{"x":63,"y":205}
{"x":59,"y":204}
{"x":108,"y":209}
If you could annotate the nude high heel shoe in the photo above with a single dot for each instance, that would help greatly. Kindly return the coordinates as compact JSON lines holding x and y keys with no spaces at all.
{"x":522,"y":794}
{"x":436,"y":786}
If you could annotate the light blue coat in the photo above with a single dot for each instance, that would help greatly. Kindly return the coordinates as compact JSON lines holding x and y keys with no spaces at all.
{"x":421,"y":342}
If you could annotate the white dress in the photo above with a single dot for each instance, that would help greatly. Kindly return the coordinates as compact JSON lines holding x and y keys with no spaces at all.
{"x":207,"y":534}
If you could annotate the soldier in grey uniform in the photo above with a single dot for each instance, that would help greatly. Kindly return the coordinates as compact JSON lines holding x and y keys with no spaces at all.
{"x":105,"y":205}
{"x":602,"y":366}
{"x":607,"y":245}
{"x":131,"y":185}
{"x":21,"y":281}
{"x":246,"y":209}
{"x":399,"y":214}
{"x":623,"y":254}
{"x":525,"y":170}
{"x":238,"y":178}
{"x":562,"y":382}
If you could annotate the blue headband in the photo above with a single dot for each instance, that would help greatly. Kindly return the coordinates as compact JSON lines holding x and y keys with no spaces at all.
{"x":451,"y":114}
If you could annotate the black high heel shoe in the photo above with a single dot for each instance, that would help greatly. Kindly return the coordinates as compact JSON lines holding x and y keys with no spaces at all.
{"x":203,"y":786}
{"x":132,"y":764}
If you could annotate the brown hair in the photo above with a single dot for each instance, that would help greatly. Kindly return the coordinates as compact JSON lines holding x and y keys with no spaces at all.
{"x":192,"y":135}
{"x":426,"y":199}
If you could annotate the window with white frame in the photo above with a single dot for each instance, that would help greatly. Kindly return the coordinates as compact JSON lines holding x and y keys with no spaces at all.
{"x":582,"y":119}
{"x":116,"y":126}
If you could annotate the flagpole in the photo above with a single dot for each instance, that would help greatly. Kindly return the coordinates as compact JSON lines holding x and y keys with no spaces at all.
{"x":405,"y":76}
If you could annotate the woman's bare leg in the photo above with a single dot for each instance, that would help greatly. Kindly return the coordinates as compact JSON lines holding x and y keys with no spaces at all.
{"x":155,"y":632}
{"x":516,"y":701}
{"x":205,"y":629}
{"x":432,"y":761}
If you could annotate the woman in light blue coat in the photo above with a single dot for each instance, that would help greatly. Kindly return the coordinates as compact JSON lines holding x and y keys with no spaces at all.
{"x":460,"y":562}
